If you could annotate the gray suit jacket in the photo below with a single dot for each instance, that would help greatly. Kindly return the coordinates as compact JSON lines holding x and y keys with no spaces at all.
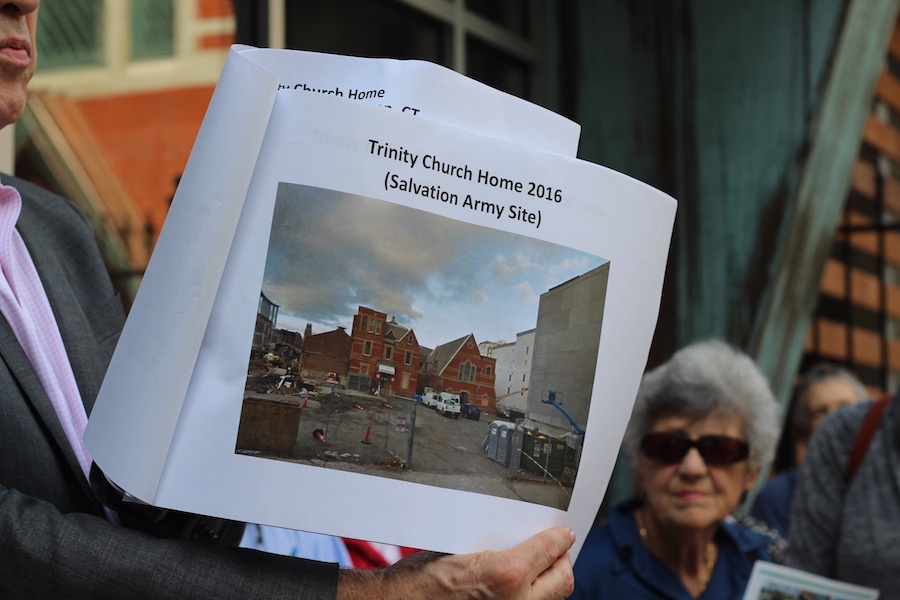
{"x":54,"y":540}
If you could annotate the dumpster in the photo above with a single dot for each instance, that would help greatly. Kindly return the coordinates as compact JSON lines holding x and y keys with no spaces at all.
{"x":533,"y":452}
{"x":556,"y":461}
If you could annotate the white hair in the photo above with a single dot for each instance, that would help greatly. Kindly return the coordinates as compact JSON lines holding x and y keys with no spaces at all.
{"x":705,"y":378}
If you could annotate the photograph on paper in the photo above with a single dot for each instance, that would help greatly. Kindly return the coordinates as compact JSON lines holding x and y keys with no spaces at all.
{"x":398,"y":343}
{"x":770,"y":581}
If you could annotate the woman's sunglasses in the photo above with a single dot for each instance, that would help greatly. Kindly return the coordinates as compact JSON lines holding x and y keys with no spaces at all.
{"x":671,"y":447}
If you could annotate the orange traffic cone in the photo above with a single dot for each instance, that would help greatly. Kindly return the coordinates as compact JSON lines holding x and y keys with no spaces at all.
{"x":319,"y":435}
{"x":365,"y":440}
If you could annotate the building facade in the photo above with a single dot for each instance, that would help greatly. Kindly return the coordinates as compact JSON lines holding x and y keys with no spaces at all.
{"x":458,"y":367}
{"x":266,"y":316}
{"x":325,"y":353}
{"x":513,"y":372}
{"x":384,"y":356}
{"x":566,"y":342}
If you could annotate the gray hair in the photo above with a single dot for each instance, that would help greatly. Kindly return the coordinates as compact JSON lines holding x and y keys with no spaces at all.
{"x":706,"y":378}
{"x":818,"y":373}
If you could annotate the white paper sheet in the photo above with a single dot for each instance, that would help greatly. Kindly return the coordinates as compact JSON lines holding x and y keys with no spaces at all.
{"x":202,"y":310}
{"x":420,"y":88}
{"x":768,"y":580}
{"x":141,"y":398}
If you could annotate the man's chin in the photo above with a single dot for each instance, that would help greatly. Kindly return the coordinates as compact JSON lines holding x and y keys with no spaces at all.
{"x":12,"y":105}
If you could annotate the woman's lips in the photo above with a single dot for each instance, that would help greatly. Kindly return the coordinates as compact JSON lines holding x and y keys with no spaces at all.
{"x":690,"y":495}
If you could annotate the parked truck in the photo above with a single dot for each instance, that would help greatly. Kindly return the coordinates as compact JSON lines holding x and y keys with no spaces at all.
{"x":449,"y":404}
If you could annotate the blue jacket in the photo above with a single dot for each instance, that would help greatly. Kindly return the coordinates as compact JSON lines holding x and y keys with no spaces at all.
{"x":614,"y":563}
{"x":773,"y":504}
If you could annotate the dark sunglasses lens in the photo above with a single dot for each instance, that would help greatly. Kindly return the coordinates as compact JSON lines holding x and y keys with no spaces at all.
{"x":665,"y":447}
{"x":722,"y":450}
{"x":715,"y":449}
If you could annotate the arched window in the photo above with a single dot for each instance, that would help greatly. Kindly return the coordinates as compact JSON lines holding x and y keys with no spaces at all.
{"x":467,"y":371}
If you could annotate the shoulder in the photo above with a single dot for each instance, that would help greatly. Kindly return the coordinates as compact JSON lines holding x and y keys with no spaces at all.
{"x":752,"y":539}
{"x":605,"y":565}
{"x":598,"y":549}
{"x":35,"y":193}
{"x":773,"y":504}
{"x":831,"y":442}
{"x":777,"y":490}
{"x":781,"y":483}
{"x":843,"y":423}
{"x":595,"y":568}
{"x":43,"y":211}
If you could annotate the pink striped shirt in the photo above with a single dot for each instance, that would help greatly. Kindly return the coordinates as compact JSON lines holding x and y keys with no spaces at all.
{"x":24,"y":304}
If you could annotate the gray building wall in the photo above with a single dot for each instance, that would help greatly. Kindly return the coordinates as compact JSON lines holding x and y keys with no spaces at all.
{"x":566,"y":341}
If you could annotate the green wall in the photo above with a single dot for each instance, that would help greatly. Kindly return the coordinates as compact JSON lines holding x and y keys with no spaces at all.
{"x":714,"y":102}
{"x":750,"y":115}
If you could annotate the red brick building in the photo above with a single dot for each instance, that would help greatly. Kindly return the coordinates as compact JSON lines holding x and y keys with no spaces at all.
{"x":325,"y":353}
{"x":459,"y":368}
{"x":384,"y":355}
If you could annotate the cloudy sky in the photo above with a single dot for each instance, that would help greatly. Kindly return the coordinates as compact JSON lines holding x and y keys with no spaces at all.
{"x":332,"y":252}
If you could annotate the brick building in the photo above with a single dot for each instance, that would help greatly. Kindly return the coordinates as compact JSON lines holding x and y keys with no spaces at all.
{"x":384,"y":355}
{"x":458,"y":367}
{"x":325,"y":353}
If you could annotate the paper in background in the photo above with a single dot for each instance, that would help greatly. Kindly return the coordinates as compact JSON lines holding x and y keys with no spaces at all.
{"x":770,"y":580}
{"x":165,"y":423}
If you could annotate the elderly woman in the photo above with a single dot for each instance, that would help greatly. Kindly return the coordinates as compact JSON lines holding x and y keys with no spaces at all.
{"x":703,"y":426}
{"x":823,"y":389}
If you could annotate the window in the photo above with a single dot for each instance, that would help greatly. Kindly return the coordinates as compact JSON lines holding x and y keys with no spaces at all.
{"x":372,"y":325}
{"x":363,"y":369}
{"x":499,"y":42}
{"x":487,"y":371}
{"x":72,"y":34}
{"x":407,"y":359}
{"x":367,"y":348}
{"x":152,"y":28}
{"x":467,"y":371}
{"x":388,"y":352}
{"x":93,"y":48}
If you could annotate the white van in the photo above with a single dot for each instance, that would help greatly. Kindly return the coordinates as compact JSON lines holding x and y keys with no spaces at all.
{"x":448,"y":404}
{"x":430,"y":399}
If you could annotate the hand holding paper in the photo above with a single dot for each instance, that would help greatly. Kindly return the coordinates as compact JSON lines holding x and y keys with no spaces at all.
{"x":535,"y":569}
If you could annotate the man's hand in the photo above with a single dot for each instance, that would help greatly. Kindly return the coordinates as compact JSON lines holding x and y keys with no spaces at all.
{"x":536,"y":569}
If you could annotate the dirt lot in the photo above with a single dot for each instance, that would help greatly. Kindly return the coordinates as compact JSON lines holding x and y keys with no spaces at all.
{"x":362,"y":433}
